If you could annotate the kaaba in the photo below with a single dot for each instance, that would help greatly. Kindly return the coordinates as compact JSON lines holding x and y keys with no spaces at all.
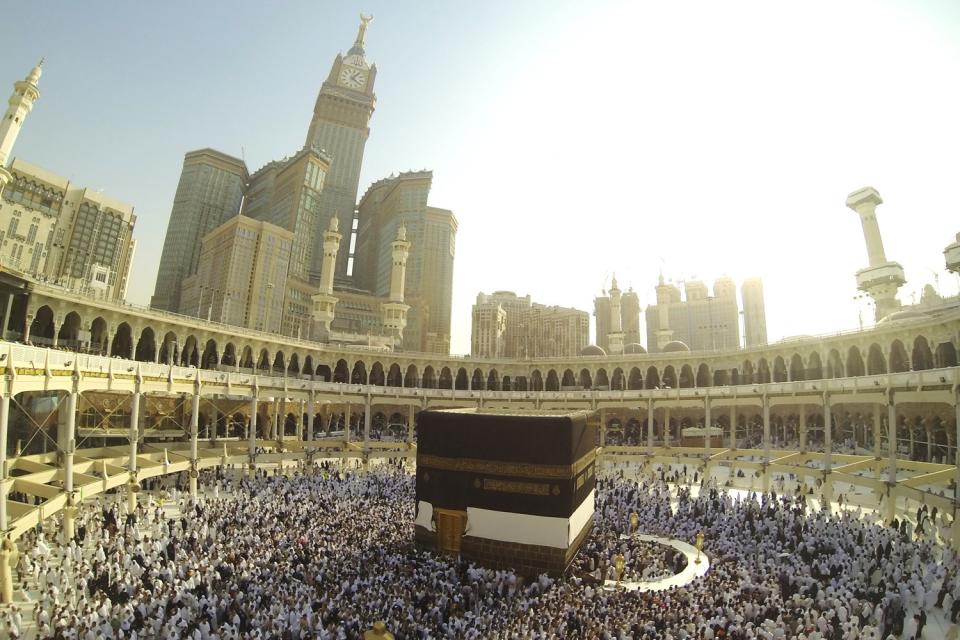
{"x":506,"y":489}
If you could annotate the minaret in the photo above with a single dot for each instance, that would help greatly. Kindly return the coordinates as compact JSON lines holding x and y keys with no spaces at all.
{"x":615,"y":337}
{"x":394,"y":311}
{"x":952,"y":256}
{"x":21,"y":101}
{"x":324,"y":302}
{"x":664,"y":332}
{"x":882,"y":278}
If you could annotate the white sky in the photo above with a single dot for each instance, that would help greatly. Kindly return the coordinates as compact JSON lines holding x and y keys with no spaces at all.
{"x":571,"y":139}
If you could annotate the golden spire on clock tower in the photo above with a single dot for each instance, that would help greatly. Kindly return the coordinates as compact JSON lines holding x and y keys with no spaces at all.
{"x":357,"y":48}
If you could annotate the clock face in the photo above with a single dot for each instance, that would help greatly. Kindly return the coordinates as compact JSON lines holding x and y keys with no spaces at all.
{"x":353,"y":78}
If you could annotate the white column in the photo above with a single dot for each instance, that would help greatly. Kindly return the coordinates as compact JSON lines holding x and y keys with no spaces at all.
{"x":603,"y":427}
{"x":6,"y":317}
{"x":6,"y":545}
{"x":252,"y":431}
{"x":367,"y":419}
{"x":346,"y":423}
{"x":803,"y":428}
{"x":827,"y":495}
{"x":892,"y":439}
{"x":411,"y":421}
{"x":194,"y":434}
{"x":733,"y":426}
{"x":134,"y":437}
{"x":666,"y":426}
{"x":311,"y":410}
{"x":650,"y":423}
{"x":300,"y":427}
{"x":69,"y":446}
{"x":275,"y":434}
{"x":766,"y":444}
{"x":706,"y":423}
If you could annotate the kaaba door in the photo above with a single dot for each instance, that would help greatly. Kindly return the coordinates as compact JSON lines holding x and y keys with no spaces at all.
{"x":451,"y":525}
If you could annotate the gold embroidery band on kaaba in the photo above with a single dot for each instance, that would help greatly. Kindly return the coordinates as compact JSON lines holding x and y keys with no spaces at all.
{"x":515,"y":486}
{"x":513,"y":469}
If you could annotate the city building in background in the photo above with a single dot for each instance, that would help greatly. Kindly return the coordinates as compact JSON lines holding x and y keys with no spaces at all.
{"x":506,"y":325}
{"x":694,"y":321}
{"x":63,"y":233}
{"x":316,"y":189}
{"x":401,"y":201}
{"x":340,"y":126}
{"x":209,"y":193}
{"x":629,"y":319}
{"x":241,"y":275}
{"x":754,"y":313}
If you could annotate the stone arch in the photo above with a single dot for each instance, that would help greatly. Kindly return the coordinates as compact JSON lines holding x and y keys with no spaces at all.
{"x":553,"y":381}
{"x":521,"y":384}
{"x":229,"y":355}
{"x":42,"y":328}
{"x":359,"y":373}
{"x":635,"y":381}
{"x":536,"y":380}
{"x":280,"y":363}
{"x":586,"y":380}
{"x":748,"y":373}
{"x":779,"y":369}
{"x":308,"y":366}
{"x":394,"y":377}
{"x":763,"y":371}
{"x":568,"y":380}
{"x":735,"y":376}
{"x":797,"y":371}
{"x":686,"y":377}
{"x":168,"y":348}
{"x":854,"y":362}
{"x":324,"y":373}
{"x":876,"y":364}
{"x":263,"y":361}
{"x":703,"y":375}
{"x":429,"y":380}
{"x":69,"y":334}
{"x":445,"y":380}
{"x":462,"y":383}
{"x":814,"y":367}
{"x":341,"y":372}
{"x":293,"y":367}
{"x":493,"y":380}
{"x":189,"y":352}
{"x":721,"y":377}
{"x":600,"y":381}
{"x":946,"y":355}
{"x":122,"y":344}
{"x":146,"y":349}
{"x":616,"y":382}
{"x":377,"y":377}
{"x":476,"y":380}
{"x":834,"y":364}
{"x":653,"y":378}
{"x":506,"y":384}
{"x":247,"y":360}
{"x":922,"y":357}
{"x":411,"y":377}
{"x":898,"y":357}
{"x":98,"y":335}
{"x":210,"y":358}
{"x":670,"y":377}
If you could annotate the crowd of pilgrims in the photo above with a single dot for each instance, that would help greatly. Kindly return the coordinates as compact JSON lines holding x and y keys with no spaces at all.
{"x":644,"y":560}
{"x":326,"y":552}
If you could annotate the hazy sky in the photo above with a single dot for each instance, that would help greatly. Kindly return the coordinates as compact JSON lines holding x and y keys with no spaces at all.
{"x":571,"y":139}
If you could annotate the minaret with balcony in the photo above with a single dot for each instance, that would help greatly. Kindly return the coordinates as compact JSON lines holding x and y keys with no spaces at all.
{"x":395,"y":311}
{"x":615,"y":337}
{"x":25,"y":93}
{"x":324,"y":302}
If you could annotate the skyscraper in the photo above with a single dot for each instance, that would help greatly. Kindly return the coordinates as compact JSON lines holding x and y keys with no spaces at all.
{"x":701,"y":321}
{"x":209,"y":192}
{"x":629,"y":319}
{"x":402,"y":201}
{"x":340,"y":127}
{"x":508,"y":326}
{"x":754,"y":314}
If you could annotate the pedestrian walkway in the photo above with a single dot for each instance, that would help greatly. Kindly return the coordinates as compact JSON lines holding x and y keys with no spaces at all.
{"x":694,"y":569}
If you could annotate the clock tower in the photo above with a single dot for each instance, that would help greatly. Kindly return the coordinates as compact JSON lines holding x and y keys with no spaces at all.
{"x":340,"y":126}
